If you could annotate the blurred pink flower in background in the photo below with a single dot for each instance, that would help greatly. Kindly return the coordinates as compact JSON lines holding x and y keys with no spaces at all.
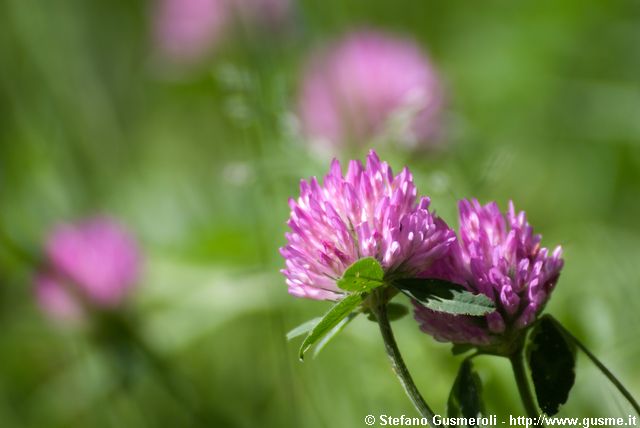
{"x":94,"y":263}
{"x":186,"y":30}
{"x":270,"y":14}
{"x":362,"y":86}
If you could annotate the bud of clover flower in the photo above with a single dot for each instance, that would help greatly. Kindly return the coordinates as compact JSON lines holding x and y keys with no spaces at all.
{"x":368,"y":212}
{"x":89,"y":265}
{"x":502,"y":259}
{"x":369,"y":85}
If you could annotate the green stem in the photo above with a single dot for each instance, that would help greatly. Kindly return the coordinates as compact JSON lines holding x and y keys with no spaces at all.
{"x":612,"y":378}
{"x":397,"y":363}
{"x":520,"y":374}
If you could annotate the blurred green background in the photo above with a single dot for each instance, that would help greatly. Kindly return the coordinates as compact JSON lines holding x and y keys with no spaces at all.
{"x":543,"y":108}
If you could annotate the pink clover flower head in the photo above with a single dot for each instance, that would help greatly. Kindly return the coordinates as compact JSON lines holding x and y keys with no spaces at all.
{"x":93,"y":263}
{"x":368,"y":212}
{"x":500,"y":257}
{"x":364,"y":85}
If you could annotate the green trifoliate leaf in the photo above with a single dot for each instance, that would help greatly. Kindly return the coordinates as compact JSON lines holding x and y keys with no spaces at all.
{"x":465,"y":398}
{"x":362,"y":276}
{"x":552,"y":360}
{"x":337,"y":313}
{"x":333,"y":333}
{"x":444,"y":296}
{"x":303,"y":328}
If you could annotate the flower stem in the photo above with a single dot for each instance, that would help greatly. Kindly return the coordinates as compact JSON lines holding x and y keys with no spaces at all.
{"x":612,"y":378}
{"x":397,"y":363}
{"x":520,"y":374}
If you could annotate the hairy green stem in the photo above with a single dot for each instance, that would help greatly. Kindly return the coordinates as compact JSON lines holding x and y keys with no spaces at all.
{"x":612,"y":378}
{"x":397,"y":363}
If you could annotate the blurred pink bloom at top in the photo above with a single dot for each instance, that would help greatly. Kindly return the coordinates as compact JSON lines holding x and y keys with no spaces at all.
{"x":268,"y":13}
{"x":351,"y":91}
{"x":95,"y":262}
{"x":186,"y":30}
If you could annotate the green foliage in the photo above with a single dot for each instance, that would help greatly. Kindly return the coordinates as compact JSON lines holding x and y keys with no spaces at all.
{"x":330,"y":321}
{"x":395,"y":311}
{"x":552,"y":361}
{"x":303,"y":328}
{"x":465,"y":398}
{"x":444,"y":296}
{"x":362,"y":276}
{"x":333,"y":333}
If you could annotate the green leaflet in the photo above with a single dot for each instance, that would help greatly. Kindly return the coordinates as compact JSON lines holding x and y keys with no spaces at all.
{"x":444,"y":296}
{"x":303,"y":328}
{"x":336,"y":314}
{"x":552,"y":360}
{"x":362,"y":276}
{"x":465,"y":398}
